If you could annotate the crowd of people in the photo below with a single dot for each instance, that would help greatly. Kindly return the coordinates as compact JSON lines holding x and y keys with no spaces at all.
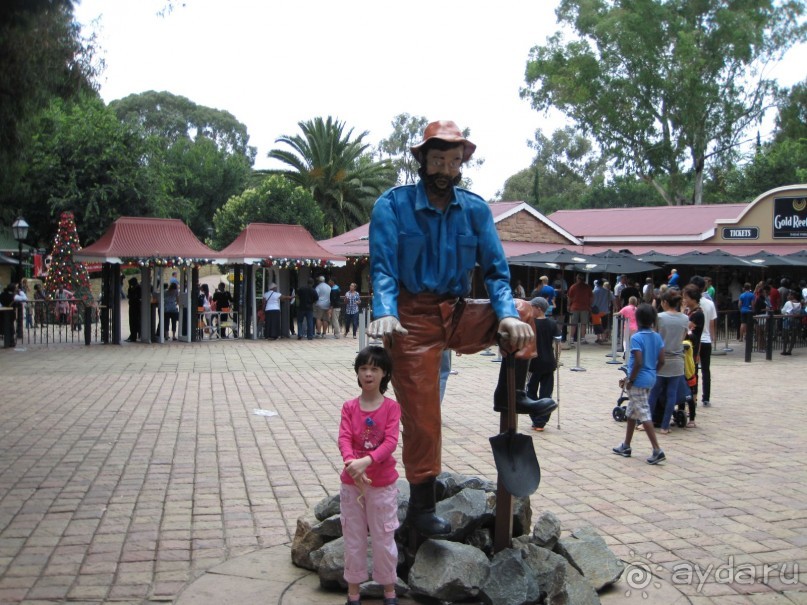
{"x":33,"y":307}
{"x":682,"y":317}
{"x":319,"y":307}
{"x":602,"y":308}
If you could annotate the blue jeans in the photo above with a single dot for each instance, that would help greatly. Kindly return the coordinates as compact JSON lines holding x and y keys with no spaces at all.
{"x":307,"y":317}
{"x":677,"y":391}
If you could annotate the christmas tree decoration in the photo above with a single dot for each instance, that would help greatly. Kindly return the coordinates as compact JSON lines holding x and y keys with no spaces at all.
{"x":65,"y":271}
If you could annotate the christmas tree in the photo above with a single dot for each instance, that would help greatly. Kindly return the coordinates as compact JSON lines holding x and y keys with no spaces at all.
{"x":64,"y":271}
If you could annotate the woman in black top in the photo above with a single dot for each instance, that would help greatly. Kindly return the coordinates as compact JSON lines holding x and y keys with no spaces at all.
{"x":692,"y":308}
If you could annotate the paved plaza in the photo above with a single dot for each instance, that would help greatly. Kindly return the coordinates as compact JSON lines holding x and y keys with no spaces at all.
{"x":142,"y":474}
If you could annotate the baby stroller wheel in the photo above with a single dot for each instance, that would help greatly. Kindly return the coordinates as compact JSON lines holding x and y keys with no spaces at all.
{"x":680,"y":418}
{"x":619,"y":414}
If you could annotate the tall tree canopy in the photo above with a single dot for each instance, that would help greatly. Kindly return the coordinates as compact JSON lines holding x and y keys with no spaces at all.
{"x":275,"y":200}
{"x":43,"y":57}
{"x":333,"y":165}
{"x":783,"y":161}
{"x":565,"y":165}
{"x":664,"y":85}
{"x":200,"y":156}
{"x":82,"y":159}
{"x":791,"y":123}
{"x":406,"y":131}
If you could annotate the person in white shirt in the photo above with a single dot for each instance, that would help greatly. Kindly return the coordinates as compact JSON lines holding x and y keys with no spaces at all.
{"x":322,"y":308}
{"x":792,"y":324}
{"x":707,"y":338}
{"x":271,"y":311}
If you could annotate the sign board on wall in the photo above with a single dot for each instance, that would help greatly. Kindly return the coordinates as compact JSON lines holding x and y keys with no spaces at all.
{"x":789,"y":217}
{"x":740,"y":232}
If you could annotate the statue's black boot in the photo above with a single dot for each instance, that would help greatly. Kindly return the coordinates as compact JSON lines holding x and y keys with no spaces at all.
{"x":421,"y":516}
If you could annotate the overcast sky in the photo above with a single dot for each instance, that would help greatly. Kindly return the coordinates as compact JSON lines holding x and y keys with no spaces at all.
{"x":273,"y":64}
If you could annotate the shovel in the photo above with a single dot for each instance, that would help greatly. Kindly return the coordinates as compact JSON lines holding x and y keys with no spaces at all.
{"x":513,"y":452}
{"x":516,"y":463}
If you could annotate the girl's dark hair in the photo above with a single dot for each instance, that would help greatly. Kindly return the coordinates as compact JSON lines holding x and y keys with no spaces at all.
{"x":672,"y":296}
{"x":693,"y":292}
{"x":645,"y":315}
{"x":378,"y":357}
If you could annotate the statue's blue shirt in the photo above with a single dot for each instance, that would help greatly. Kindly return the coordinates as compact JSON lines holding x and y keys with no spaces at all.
{"x":421,"y":249}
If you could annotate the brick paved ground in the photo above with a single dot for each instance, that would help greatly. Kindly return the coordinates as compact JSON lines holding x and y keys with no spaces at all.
{"x":128,"y":471}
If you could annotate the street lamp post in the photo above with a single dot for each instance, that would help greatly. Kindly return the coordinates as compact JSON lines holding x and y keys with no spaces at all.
{"x":20,"y":230}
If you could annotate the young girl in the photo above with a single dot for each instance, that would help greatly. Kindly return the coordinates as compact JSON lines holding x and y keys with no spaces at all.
{"x":368,"y":436}
{"x":628,"y":313}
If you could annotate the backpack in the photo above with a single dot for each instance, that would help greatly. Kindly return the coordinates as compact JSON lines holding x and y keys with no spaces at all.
{"x":689,"y":365}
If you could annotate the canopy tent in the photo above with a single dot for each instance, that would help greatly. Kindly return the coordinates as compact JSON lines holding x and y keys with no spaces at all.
{"x":615,"y":262}
{"x":719,"y":258}
{"x":277,"y":248}
{"x":560,"y":257}
{"x":270,"y":244}
{"x":148,"y":243}
{"x":768,"y":259}
{"x":659,"y":258}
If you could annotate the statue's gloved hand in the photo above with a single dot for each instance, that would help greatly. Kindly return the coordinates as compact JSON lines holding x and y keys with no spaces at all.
{"x":386,"y":327}
{"x":516,"y":334}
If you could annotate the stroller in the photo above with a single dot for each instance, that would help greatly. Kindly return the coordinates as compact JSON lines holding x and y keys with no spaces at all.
{"x":619,"y":413}
{"x":679,"y":416}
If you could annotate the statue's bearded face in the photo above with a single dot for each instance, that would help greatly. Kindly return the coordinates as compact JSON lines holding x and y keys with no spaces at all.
{"x":443,"y":169}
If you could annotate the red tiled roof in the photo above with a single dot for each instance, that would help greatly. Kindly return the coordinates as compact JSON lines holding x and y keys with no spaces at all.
{"x":139,"y":237}
{"x":260,"y":241}
{"x":355,"y":242}
{"x":653,"y":221}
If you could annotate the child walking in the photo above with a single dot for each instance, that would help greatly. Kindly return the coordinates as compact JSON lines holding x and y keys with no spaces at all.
{"x":368,"y":436}
{"x":646,"y":358}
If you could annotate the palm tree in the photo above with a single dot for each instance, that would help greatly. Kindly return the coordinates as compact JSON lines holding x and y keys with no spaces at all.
{"x":326,"y":161}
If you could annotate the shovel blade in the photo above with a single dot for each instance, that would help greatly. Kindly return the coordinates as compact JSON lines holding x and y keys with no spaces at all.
{"x":516,"y":463}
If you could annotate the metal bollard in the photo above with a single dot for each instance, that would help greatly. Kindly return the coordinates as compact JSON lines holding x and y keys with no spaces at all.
{"x":749,"y":339}
{"x":613,"y":354}
{"x":727,"y":348}
{"x":87,"y":325}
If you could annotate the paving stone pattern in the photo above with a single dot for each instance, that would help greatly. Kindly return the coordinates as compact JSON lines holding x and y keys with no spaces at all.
{"x":128,"y":472}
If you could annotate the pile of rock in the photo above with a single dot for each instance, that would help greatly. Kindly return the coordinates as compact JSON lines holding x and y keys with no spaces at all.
{"x":541,"y":567}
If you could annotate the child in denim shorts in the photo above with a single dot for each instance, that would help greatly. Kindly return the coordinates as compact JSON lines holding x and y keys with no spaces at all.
{"x":646,"y":358}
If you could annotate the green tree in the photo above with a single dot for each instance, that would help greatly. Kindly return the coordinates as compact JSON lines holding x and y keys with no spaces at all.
{"x":782,"y":161}
{"x":565,"y":166}
{"x":44,"y":56}
{"x":406,"y":131}
{"x":664,"y":83}
{"x":275,"y":200}
{"x":336,"y":168}
{"x":198,"y":156}
{"x":791,"y":123}
{"x":82,"y":159}
{"x":624,"y":191}
{"x":777,"y":164}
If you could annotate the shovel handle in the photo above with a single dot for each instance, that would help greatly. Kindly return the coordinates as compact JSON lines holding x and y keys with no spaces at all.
{"x":508,"y":419}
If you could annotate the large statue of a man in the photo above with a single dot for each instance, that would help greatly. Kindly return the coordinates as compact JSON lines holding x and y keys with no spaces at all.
{"x":425,"y":241}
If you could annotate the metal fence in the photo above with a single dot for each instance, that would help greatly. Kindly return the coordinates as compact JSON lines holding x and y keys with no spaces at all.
{"x":45,"y":322}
